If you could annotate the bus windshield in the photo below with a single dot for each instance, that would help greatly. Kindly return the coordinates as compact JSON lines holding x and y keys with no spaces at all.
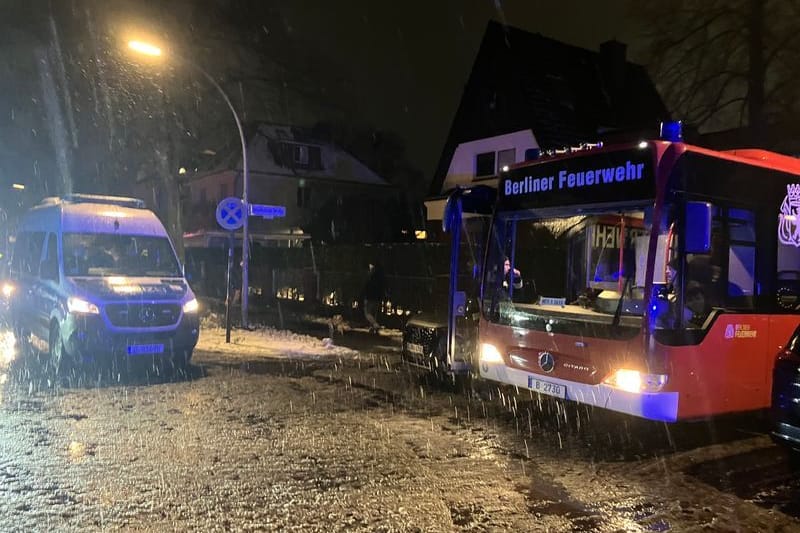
{"x":105,"y":254}
{"x":568,"y":265}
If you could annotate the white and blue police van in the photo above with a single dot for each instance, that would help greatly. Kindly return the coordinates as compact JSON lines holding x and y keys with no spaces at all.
{"x":95,"y":281}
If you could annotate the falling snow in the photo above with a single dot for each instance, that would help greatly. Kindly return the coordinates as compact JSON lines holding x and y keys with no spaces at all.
{"x":286,"y":431}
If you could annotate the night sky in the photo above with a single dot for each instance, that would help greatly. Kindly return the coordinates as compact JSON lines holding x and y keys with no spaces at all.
{"x":410,"y":60}
{"x":401,"y":68}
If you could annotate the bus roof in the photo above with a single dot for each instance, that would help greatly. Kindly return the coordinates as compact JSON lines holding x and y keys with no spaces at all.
{"x":748,"y":156}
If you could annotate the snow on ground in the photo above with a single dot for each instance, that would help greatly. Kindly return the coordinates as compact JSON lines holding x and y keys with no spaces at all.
{"x":269,"y":343}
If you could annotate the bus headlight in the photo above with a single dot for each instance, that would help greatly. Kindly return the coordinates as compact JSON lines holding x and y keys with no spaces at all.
{"x":635,"y":381}
{"x":490,"y":353}
{"x":191,"y":306}
{"x":82,"y":307}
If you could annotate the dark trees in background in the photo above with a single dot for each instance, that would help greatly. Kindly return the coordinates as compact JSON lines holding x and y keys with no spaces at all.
{"x":84,"y":115}
{"x":725,"y":63}
{"x":384,"y":152}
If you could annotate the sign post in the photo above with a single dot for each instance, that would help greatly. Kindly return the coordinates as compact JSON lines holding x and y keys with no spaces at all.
{"x":228,"y":289}
{"x":230,"y":216}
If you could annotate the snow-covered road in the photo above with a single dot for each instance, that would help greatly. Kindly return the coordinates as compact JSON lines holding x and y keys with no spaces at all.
{"x":279,"y":431}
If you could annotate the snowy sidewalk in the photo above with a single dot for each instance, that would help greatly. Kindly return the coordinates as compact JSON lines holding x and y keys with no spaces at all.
{"x":269,"y":343}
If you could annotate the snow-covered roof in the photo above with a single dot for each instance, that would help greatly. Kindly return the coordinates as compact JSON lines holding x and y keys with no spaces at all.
{"x":269,"y":154}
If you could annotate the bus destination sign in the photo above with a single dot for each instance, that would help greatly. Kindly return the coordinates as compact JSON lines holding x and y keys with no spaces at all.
{"x":583,"y":179}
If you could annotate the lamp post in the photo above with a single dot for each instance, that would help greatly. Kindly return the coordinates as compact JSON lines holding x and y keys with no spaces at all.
{"x":154,"y":51}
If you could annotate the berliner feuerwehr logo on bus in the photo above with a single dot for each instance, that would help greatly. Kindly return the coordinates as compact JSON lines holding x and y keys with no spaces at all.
{"x":789,"y":225}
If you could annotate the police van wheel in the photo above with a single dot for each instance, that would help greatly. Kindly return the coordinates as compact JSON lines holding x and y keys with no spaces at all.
{"x":23,"y":340}
{"x":57,"y":361}
{"x":179,"y":365}
{"x":29,"y":364}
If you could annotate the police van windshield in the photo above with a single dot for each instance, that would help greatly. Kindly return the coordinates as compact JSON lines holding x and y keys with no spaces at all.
{"x":104,"y":254}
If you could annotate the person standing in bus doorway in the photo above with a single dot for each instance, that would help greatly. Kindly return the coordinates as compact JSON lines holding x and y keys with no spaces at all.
{"x":372,"y":295}
{"x":511,"y":276}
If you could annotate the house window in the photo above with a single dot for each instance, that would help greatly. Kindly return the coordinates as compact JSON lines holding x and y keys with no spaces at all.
{"x":314,"y":158}
{"x":506,"y":158}
{"x":300,"y":155}
{"x":303,"y":197}
{"x":485,"y":164}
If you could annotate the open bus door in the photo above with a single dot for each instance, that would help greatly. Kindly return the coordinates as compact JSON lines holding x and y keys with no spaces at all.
{"x":442,"y":338}
{"x":466,"y":218}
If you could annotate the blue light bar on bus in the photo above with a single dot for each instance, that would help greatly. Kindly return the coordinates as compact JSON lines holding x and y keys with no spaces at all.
{"x":582,"y":147}
{"x":672,"y":131}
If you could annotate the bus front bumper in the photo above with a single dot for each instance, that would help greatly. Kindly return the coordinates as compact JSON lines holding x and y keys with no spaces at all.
{"x":661,"y":406}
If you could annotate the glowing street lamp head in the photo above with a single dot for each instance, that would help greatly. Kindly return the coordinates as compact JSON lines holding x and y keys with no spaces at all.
{"x":144,"y":48}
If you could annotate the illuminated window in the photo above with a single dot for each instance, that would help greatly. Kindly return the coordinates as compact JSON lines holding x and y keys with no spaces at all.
{"x":506,"y":158}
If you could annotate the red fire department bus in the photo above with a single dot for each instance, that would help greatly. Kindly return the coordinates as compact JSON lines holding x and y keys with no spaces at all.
{"x":657,"y":279}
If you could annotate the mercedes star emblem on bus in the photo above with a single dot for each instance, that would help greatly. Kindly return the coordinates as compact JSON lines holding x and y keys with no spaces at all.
{"x":546,"y":361}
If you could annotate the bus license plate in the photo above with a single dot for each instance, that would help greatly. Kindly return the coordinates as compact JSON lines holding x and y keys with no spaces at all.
{"x":546,"y":387}
{"x":141,"y":349}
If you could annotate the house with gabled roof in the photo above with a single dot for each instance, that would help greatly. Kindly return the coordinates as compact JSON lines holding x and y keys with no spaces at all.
{"x":328,"y":194}
{"x":527,"y":91}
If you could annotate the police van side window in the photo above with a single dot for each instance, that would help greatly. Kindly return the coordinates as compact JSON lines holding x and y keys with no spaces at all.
{"x":49,"y":268}
{"x":20,"y":249}
{"x":32,"y":254}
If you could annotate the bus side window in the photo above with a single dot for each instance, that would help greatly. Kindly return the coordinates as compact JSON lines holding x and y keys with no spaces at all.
{"x":741,"y":257}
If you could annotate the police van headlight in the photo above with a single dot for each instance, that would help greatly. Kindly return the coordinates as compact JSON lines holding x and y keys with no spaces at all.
{"x":82,"y":307}
{"x":191,"y":306}
{"x":8,"y":289}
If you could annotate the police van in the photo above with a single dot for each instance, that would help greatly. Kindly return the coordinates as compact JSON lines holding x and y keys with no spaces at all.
{"x":94,"y":280}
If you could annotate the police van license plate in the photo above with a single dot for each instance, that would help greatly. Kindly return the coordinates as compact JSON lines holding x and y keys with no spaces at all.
{"x":546,"y":387}
{"x":142,"y":349}
{"x":415,"y":348}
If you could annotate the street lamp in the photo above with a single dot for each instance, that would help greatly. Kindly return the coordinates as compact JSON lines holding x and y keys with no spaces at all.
{"x":151,"y":50}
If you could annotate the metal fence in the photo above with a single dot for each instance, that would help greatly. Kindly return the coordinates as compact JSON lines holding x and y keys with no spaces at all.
{"x":328,"y":279}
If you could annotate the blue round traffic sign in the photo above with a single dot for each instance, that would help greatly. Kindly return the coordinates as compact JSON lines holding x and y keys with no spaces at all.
{"x":230,"y":213}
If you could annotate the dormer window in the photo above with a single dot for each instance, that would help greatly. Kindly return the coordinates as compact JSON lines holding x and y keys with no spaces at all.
{"x":296,"y":155}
